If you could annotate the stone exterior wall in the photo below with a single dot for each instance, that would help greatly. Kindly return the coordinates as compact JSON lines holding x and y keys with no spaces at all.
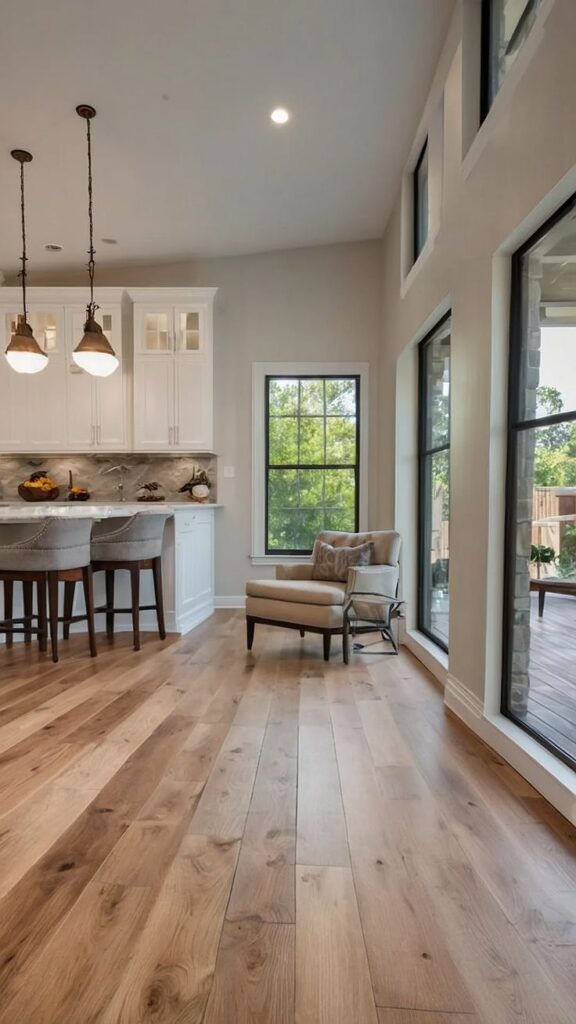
{"x":520,"y":681}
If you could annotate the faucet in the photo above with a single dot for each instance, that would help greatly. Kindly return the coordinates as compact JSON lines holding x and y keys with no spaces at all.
{"x":118,"y":469}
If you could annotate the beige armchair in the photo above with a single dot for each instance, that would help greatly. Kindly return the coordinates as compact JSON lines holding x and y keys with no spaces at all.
{"x":295,"y":600}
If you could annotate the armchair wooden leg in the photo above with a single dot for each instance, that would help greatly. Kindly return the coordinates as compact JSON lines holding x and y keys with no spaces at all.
{"x":28,"y":602}
{"x":53,"y":603}
{"x":302,"y":632}
{"x":69,"y":588}
{"x":135,"y":587}
{"x":327,"y":637}
{"x":250,"y":625}
{"x":8,"y":607}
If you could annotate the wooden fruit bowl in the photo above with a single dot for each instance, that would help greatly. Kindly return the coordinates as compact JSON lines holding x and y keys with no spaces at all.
{"x":35,"y":494}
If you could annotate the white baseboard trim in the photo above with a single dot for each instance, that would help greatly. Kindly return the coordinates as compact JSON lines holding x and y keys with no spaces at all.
{"x":227,"y":601}
{"x":550,"y":776}
{"x":431,"y":656}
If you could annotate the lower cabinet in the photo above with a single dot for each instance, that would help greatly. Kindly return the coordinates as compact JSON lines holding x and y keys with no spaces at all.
{"x":194,"y":567}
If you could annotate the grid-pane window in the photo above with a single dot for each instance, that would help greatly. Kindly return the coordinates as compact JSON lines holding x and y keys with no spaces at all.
{"x":312,"y":453}
{"x":421,"y":201}
{"x":506,"y":24}
{"x":539,"y":677}
{"x":434,"y":485}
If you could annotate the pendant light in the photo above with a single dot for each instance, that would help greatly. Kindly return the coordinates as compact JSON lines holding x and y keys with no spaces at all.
{"x":24,"y":353}
{"x":94,"y":353}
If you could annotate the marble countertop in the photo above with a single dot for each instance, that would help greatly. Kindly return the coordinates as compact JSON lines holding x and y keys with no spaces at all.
{"x":21,"y":511}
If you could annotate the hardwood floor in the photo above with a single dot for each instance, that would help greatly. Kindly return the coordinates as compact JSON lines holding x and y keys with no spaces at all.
{"x":194,"y":834}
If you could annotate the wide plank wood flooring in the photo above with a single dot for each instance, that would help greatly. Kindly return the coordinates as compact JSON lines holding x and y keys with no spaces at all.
{"x":195,"y":835}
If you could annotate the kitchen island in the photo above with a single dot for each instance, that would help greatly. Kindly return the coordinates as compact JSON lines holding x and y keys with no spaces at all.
{"x":187,"y":558}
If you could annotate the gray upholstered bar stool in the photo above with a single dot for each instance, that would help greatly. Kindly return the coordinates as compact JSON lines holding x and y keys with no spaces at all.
{"x":45,"y":553}
{"x":133,"y":544}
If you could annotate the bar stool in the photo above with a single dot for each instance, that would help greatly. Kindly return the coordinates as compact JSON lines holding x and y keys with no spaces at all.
{"x":133,"y":544}
{"x":55,"y":550}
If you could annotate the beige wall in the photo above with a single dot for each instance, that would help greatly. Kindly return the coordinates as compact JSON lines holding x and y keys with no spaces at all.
{"x":518,"y":169}
{"x":310,"y":305}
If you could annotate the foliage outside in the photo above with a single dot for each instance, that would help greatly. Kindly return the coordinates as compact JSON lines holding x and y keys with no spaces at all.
{"x":312,"y":458}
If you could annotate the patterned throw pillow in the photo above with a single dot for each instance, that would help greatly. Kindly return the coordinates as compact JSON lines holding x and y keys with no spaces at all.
{"x":333,"y":563}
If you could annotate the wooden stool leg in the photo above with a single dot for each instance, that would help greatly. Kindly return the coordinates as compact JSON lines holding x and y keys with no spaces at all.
{"x":42,"y":619}
{"x":69,"y":588}
{"x":89,"y":602}
{"x":110,"y":601}
{"x":28,"y":602}
{"x":159,"y":596}
{"x":53,"y":601}
{"x":135,"y":588}
{"x":8,"y":607}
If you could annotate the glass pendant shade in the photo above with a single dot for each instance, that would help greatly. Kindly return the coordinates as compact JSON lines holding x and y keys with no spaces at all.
{"x":94,"y":353}
{"x":24,"y":353}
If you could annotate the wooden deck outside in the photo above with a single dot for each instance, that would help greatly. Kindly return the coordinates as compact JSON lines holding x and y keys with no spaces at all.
{"x":552,"y":701}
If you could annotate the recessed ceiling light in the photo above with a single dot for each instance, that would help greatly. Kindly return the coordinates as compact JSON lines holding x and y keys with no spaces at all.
{"x":109,"y":241}
{"x":53,"y":247}
{"x":280,"y":115}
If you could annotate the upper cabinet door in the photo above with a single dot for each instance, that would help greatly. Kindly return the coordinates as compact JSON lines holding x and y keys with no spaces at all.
{"x":154,"y":328}
{"x":46,"y":400}
{"x":193,"y":397}
{"x":154,"y":402}
{"x":79,"y":386}
{"x":189,"y":330}
{"x":110,"y":392}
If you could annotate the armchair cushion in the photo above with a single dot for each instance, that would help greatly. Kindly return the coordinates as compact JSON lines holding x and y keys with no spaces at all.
{"x":333,"y":563}
{"x":301,"y":591}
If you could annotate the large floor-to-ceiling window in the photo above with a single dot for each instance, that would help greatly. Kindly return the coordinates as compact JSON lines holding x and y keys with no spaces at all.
{"x":434,"y":484}
{"x":539,"y":689}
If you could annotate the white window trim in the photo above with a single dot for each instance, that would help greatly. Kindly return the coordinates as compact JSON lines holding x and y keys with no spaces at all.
{"x":259,"y":373}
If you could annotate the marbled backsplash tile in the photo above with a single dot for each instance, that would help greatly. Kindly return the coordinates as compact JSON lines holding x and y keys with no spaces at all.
{"x":89,"y":471}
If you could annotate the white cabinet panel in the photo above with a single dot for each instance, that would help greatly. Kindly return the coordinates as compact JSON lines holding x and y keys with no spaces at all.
{"x":194,"y":583}
{"x":153,"y":402}
{"x":193,"y":393}
{"x":46,"y":406}
{"x":13,"y":409}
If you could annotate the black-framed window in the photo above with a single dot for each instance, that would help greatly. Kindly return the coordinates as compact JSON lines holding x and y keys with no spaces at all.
{"x":539,"y":656}
{"x":434,"y":484}
{"x":312,"y":459}
{"x":420,"y":181}
{"x":505,"y":26}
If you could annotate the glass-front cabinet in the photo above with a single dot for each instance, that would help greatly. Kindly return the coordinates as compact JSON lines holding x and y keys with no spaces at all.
{"x":158,"y":399}
{"x":33,"y":414}
{"x":173,"y":373}
{"x":96,"y":405}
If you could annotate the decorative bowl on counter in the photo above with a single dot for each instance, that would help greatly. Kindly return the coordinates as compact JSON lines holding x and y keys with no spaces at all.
{"x":39,"y":487}
{"x":78,"y":494}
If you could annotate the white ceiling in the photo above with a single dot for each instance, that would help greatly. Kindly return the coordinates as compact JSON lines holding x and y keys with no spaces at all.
{"x":186,"y":161}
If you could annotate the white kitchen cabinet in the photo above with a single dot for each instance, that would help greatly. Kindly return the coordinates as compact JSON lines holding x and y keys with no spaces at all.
{"x":159,"y":399}
{"x":194,"y":567}
{"x":153,"y":402}
{"x":96,"y":405}
{"x":33,"y":416}
{"x":173,"y":351}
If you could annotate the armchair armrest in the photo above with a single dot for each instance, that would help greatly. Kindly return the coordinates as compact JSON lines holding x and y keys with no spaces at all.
{"x":376,"y":579}
{"x":301,"y":571}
